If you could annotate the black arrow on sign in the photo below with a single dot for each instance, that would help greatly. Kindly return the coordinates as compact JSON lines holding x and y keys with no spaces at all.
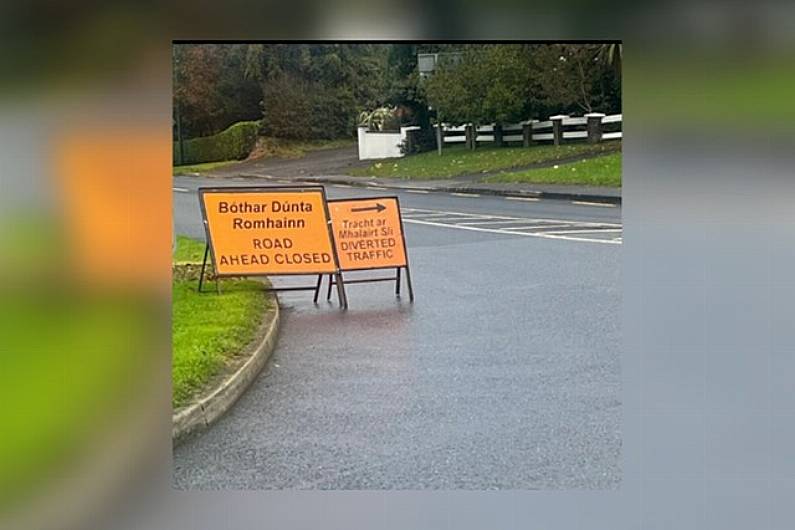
{"x":378,"y":206}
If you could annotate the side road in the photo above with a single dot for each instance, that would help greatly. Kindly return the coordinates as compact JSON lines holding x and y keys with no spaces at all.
{"x":321,"y":162}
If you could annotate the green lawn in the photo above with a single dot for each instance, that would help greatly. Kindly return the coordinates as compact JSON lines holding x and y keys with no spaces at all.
{"x":188,"y":250}
{"x":268,"y":147}
{"x":600,"y":171}
{"x":458,"y":160}
{"x":207,"y":328}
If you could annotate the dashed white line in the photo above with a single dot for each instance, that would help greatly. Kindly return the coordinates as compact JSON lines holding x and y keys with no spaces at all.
{"x":416,"y":191}
{"x":602,"y":204}
{"x":465,"y":194}
{"x":528,"y":199}
{"x":341,"y":186}
{"x":181,"y":190}
{"x":376,"y":188}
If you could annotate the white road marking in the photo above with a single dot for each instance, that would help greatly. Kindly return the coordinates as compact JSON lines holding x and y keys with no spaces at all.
{"x":495,"y":222}
{"x":341,"y":186}
{"x":500,"y":231}
{"x":444,"y":219}
{"x":537,"y":227}
{"x":416,"y":191}
{"x":602,"y":231}
{"x":466,"y":194}
{"x":586,"y":203}
{"x":439,"y":215}
{"x":376,"y":188}
{"x":528,"y":199}
{"x":181,"y":190}
{"x":539,"y":220}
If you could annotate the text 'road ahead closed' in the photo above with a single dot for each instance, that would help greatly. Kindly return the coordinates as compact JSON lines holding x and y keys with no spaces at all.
{"x":268,"y":232}
{"x":368,"y":233}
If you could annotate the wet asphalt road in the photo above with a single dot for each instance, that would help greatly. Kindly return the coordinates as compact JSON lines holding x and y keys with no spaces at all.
{"x":504,"y":373}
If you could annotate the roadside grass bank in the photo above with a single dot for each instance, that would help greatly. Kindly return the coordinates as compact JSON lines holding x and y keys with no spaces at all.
{"x":209,"y":330}
{"x":269,"y":147}
{"x":599,"y":171}
{"x":457,"y":161}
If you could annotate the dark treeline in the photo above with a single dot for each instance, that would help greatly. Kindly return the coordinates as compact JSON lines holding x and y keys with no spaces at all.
{"x":317,"y":91}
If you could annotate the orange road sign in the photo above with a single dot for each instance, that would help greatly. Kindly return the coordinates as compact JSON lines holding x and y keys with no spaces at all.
{"x":257,"y":231}
{"x":368,"y":233}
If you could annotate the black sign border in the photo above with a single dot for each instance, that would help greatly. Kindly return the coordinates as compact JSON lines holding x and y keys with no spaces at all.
{"x":201,"y":191}
{"x":396,"y":278}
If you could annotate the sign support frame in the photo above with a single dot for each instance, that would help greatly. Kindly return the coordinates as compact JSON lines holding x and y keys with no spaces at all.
{"x":340,"y":282}
{"x":396,"y":278}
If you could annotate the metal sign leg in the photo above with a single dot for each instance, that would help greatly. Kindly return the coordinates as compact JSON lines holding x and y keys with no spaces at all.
{"x":204,"y":266}
{"x":408,"y":281}
{"x":341,"y":291}
{"x":330,"y":285}
{"x":397,"y":281}
{"x":317,"y":287}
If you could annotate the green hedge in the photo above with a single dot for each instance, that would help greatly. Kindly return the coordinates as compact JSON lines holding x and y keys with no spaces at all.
{"x":234,"y":143}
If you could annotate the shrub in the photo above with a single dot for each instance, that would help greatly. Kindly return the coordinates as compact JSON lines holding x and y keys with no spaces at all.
{"x":235,"y":143}
{"x":287,"y":109}
{"x":295,"y":109}
{"x":423,"y":139}
{"x":380,"y":119}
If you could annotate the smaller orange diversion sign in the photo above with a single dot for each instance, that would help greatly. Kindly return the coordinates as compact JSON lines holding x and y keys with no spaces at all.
{"x":268,"y":231}
{"x":368,"y":233}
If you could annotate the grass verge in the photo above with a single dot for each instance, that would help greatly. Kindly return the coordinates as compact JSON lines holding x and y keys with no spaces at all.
{"x":458,"y":160}
{"x":599,"y":171}
{"x":188,"y":250}
{"x":209,"y":329}
{"x":201,"y":168}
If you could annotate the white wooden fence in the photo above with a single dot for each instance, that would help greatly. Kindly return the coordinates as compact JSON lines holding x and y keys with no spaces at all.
{"x":594,"y":128}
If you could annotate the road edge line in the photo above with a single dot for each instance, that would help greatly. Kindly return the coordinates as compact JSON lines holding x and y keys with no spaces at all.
{"x":207,"y":410}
